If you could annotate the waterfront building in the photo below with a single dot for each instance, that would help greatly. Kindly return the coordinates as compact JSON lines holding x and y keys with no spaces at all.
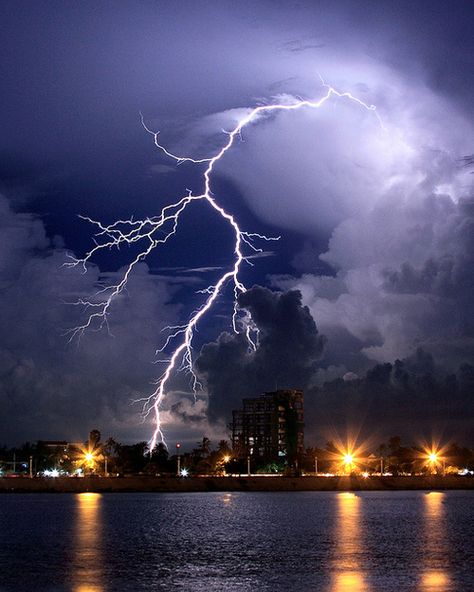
{"x":270,"y":427}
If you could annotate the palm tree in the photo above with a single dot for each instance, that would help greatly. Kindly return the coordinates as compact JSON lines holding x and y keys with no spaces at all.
{"x":223,"y":447}
{"x":204,"y":447}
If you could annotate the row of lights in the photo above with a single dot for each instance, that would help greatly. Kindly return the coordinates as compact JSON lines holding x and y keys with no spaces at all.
{"x":348,"y":460}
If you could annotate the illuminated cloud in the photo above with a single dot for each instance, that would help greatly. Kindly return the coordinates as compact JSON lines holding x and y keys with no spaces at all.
{"x":396,"y":206}
{"x":385,"y":216}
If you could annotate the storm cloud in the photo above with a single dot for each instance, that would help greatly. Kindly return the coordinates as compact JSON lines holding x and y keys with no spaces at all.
{"x":375,"y":215}
{"x":53,"y":389}
{"x":385,"y":204}
{"x":287,"y":355}
{"x":414,"y":398}
{"x":403,"y":280}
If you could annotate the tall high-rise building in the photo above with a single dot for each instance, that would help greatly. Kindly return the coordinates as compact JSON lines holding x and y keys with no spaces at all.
{"x":270,"y":426}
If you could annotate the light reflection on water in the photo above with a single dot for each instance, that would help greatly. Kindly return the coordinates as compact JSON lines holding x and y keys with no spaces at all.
{"x":86,"y":568}
{"x":434,"y":576}
{"x":347,"y":575}
{"x":237,"y":542}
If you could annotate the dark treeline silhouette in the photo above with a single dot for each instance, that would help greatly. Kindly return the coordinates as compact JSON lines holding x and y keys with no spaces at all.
{"x":111,"y":457}
{"x":391,"y":457}
{"x":116,"y":459}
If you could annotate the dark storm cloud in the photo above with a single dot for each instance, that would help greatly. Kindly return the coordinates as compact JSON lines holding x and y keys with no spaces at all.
{"x":286,"y":357}
{"x":413,"y":398}
{"x":52,"y":389}
{"x":384,"y":216}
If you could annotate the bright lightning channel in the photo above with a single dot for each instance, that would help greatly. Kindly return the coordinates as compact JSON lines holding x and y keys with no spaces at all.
{"x":153,"y":231}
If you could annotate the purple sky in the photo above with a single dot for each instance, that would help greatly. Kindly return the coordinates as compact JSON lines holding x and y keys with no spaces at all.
{"x":377,"y":223}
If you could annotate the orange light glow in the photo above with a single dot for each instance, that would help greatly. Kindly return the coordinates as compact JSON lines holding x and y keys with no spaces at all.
{"x":433,"y":458}
{"x":87,"y":560}
{"x":348,"y":459}
{"x":88,"y":458}
{"x":435,"y":581}
{"x":347,"y":574}
{"x":435,"y":577}
{"x":347,"y":455}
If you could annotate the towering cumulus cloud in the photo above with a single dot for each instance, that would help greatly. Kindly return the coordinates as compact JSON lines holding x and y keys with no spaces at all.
{"x":386,"y":208}
{"x":395,"y":205}
{"x":403,"y":280}
{"x":374,"y":208}
{"x":286,"y":357}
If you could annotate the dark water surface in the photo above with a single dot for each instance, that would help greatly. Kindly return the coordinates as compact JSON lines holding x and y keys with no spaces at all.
{"x":334,"y":542}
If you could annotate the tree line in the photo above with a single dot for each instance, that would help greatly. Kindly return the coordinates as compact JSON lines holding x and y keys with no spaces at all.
{"x":97,"y":457}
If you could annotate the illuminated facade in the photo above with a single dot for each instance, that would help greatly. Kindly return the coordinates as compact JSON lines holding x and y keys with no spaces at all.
{"x":270,"y":426}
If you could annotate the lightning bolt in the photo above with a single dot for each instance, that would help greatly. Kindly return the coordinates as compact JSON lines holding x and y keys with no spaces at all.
{"x":156,"y":230}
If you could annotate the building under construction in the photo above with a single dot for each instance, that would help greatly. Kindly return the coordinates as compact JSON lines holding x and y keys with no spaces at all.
{"x":270,"y":427}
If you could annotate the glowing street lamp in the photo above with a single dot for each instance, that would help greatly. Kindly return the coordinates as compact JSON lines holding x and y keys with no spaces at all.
{"x":88,"y":459}
{"x":434,"y":460}
{"x":178,"y":460}
{"x":348,"y":461}
{"x":225,"y":460}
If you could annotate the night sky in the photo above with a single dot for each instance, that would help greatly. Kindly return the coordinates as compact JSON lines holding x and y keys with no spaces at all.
{"x":365,"y":302}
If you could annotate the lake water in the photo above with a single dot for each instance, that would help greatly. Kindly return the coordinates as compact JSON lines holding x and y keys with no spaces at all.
{"x":321,"y":541}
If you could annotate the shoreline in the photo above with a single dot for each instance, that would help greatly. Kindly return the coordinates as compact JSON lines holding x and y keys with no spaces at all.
{"x":245,"y":483}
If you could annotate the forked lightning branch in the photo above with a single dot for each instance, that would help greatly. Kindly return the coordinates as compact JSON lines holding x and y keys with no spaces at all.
{"x":151,"y":232}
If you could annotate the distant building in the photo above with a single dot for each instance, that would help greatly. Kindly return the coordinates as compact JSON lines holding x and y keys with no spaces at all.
{"x":270,"y":426}
{"x":58,"y":452}
{"x":54,"y":445}
{"x":59,"y":446}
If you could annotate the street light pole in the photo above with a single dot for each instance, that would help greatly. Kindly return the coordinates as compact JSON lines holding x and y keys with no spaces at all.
{"x":316,"y":465}
{"x":178,"y":469}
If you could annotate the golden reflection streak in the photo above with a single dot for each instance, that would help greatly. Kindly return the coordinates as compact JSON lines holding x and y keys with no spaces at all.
{"x":434,"y":578}
{"x":87,"y":564}
{"x":347,"y":576}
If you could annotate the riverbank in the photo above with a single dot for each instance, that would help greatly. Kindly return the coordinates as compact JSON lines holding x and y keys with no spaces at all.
{"x":252,"y":483}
